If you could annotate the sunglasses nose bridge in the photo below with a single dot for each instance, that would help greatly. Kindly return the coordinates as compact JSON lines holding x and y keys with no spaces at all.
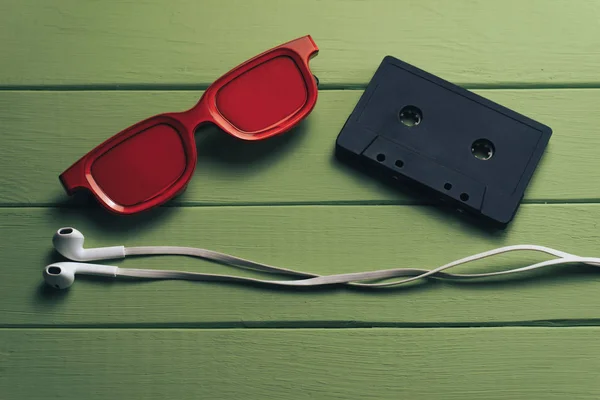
{"x":195,"y":116}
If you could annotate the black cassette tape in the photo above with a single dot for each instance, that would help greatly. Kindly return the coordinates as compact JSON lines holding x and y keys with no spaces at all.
{"x":452,"y":143}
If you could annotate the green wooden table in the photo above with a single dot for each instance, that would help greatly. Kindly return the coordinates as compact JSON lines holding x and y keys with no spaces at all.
{"x":73,"y":72}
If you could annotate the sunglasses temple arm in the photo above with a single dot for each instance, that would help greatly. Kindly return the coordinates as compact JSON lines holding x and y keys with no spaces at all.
{"x":305,"y":46}
{"x":74,"y":177}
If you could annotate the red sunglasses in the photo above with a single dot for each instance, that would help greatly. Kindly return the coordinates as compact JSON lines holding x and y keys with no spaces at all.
{"x":152,"y":161}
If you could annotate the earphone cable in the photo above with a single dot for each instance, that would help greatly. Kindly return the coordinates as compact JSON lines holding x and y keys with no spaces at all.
{"x":349,"y":278}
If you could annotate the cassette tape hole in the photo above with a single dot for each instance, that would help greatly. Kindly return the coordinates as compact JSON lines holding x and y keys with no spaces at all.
{"x":483,"y":149}
{"x":410,"y":116}
{"x":464,"y":196}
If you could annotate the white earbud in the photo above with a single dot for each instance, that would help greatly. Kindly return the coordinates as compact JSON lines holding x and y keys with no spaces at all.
{"x":61,"y":275}
{"x":69,"y":242}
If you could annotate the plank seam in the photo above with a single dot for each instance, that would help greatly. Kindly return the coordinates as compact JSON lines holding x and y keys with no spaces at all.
{"x":324,"y":86}
{"x":550,"y":323}
{"x":374,"y":203}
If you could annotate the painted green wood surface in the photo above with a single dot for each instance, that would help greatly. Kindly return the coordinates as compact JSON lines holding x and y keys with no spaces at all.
{"x":72,"y":73}
{"x":481,"y":42}
{"x":320,"y":239}
{"x":457,"y":364}
{"x":44,"y":132}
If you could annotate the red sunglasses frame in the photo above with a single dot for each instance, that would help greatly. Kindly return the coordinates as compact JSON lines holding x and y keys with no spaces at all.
{"x":79,"y":175}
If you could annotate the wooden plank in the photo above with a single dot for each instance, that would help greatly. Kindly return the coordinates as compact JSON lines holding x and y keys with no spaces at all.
{"x":320,"y":239}
{"x":70,"y":42}
{"x":44,"y":132}
{"x":495,"y":364}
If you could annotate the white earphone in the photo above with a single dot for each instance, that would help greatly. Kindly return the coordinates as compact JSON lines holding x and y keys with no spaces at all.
{"x":69,"y":243}
{"x":62,"y":275}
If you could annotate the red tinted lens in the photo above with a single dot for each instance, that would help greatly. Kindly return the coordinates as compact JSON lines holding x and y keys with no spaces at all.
{"x":142,"y":166}
{"x":263,"y":96}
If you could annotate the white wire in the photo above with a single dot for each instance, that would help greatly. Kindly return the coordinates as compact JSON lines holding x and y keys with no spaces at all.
{"x":213,"y":256}
{"x":353,"y":279}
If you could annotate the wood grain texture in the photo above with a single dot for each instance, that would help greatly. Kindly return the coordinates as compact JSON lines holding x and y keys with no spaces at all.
{"x":44,"y":132}
{"x":320,"y":239}
{"x":72,"y":42}
{"x":495,"y":364}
